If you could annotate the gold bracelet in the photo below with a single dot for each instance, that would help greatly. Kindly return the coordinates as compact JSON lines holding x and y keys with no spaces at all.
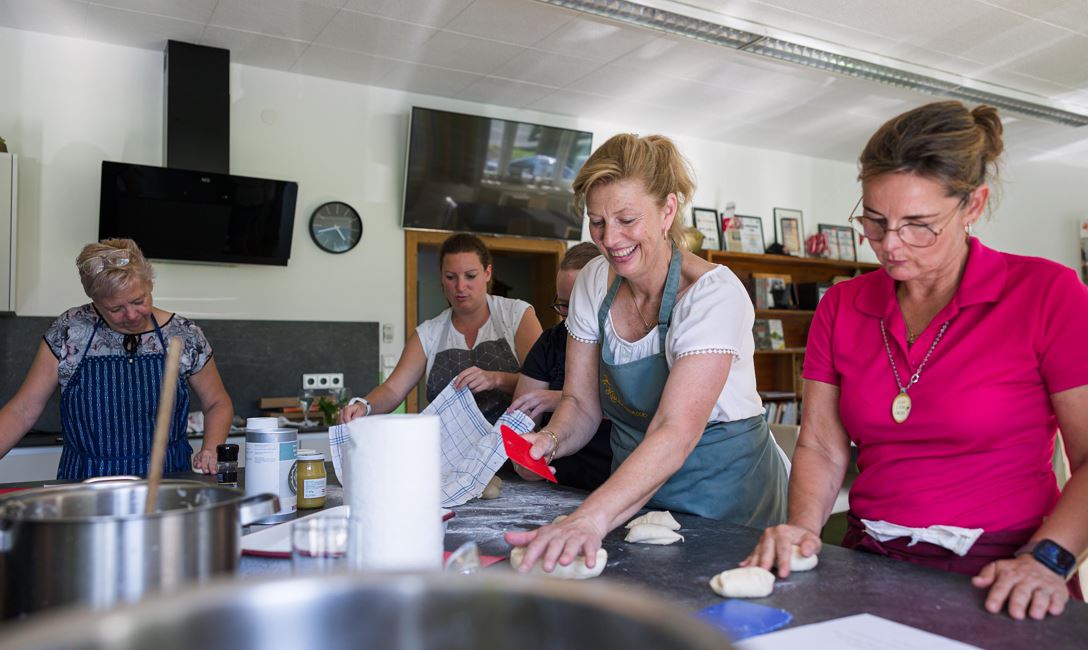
{"x":550,"y":456}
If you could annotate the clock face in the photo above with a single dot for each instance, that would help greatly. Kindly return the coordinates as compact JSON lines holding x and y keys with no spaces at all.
{"x":336,"y":227}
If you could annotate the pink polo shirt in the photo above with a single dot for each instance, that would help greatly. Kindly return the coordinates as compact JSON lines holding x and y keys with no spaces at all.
{"x":976,"y":450}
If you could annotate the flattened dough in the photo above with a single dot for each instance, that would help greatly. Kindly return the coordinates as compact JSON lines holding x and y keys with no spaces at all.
{"x":493,"y":489}
{"x":576,"y":570}
{"x":799,"y":562}
{"x":658,"y":518}
{"x":653,"y":534}
{"x":745,"y":582}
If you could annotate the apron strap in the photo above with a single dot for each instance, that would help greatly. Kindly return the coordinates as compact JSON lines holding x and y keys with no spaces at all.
{"x":94,"y":330}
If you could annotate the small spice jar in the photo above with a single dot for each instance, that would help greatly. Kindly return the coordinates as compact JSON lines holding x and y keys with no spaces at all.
{"x":226,"y":469}
{"x":311,"y":479}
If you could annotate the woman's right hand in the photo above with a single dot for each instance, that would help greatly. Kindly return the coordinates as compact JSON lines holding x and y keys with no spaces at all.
{"x":775,"y":548}
{"x":541,"y":446}
{"x":352,"y":411}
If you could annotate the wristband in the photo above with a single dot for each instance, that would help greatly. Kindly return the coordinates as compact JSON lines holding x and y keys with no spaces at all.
{"x":361,"y":400}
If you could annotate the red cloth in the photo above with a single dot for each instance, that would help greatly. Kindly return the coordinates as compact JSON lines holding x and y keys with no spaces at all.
{"x":991,"y":546}
{"x":976,"y":450}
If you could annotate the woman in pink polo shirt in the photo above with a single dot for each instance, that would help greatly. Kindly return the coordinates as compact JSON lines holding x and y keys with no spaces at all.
{"x":951,"y":369}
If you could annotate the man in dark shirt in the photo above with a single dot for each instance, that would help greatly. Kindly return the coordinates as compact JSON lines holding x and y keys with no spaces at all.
{"x":540,"y":385}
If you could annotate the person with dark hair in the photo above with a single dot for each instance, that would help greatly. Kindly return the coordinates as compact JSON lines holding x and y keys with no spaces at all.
{"x":660,"y":343}
{"x":541,"y":384}
{"x":479,"y":342}
{"x":108,"y":356}
{"x":952,"y":369}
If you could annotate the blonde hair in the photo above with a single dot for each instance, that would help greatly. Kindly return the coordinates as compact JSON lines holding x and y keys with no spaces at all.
{"x":945,"y":141}
{"x":654,"y":160}
{"x":111,"y":266}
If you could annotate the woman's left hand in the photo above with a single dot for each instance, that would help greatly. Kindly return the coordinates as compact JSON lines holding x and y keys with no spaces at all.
{"x":204,"y":461}
{"x":1028,"y":586}
{"x":476,"y":380}
{"x":559,"y":543}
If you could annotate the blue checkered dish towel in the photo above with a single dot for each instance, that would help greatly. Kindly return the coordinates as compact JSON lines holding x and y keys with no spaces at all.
{"x":472,"y":449}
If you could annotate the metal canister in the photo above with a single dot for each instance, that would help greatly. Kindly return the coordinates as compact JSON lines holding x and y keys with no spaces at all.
{"x":270,"y":467}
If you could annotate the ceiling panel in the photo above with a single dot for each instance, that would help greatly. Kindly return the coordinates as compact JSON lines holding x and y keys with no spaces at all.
{"x":146,"y":31}
{"x":492,"y":90}
{"x":198,"y":11}
{"x":331,"y":63}
{"x":283,"y":18}
{"x":258,"y":50}
{"x":595,"y":40}
{"x":546,"y":68}
{"x":429,"y":80}
{"x":434,"y":13}
{"x":523,"y":22}
{"x":60,"y":17}
{"x":574,"y":103}
{"x":1070,"y":14}
{"x":1064,"y":61}
{"x":466,"y":53}
{"x":373,"y":35}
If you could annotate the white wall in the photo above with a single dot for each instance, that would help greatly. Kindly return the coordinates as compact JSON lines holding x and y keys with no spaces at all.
{"x":67,"y":104}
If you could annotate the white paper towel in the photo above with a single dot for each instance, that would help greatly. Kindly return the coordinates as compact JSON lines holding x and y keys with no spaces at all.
{"x":393,"y":485}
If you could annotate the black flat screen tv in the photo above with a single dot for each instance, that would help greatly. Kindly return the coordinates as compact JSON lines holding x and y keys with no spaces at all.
{"x":493,"y":176}
{"x":177,"y":214}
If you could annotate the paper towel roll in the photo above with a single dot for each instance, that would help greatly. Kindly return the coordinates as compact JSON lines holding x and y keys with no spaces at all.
{"x":393,"y":485}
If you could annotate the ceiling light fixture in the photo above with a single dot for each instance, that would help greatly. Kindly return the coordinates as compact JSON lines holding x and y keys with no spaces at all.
{"x":710,"y":32}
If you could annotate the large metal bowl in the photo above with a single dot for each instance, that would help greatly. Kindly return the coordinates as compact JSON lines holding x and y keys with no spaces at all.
{"x":381,"y":612}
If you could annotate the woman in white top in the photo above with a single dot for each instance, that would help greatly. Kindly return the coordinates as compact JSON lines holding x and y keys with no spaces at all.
{"x":480,"y":341}
{"x":660,"y":343}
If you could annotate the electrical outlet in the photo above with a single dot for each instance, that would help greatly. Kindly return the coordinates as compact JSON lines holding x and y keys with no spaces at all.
{"x":322,"y":380}
{"x":387,"y":333}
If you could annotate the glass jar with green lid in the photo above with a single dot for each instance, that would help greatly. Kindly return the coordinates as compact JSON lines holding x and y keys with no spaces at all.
{"x":311,"y":479}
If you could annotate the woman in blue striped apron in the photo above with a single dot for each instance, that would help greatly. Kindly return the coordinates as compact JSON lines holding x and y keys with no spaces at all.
{"x":661,"y":344}
{"x":108,"y":358}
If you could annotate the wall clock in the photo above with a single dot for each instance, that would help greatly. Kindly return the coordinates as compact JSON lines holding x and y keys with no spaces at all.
{"x":336,"y":227}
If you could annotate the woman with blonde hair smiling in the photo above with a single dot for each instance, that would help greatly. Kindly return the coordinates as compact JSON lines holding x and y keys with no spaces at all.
{"x":660,"y":343}
{"x":108,"y":357}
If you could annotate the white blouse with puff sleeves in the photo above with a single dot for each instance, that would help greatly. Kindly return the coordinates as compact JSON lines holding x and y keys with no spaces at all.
{"x":714,"y":316}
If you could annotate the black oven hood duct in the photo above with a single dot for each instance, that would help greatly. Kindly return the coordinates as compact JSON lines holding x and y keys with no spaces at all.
{"x":196,"y":107}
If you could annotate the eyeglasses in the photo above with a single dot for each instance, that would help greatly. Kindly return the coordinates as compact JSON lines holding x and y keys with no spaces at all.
{"x":560,"y":308}
{"x":918,"y":235}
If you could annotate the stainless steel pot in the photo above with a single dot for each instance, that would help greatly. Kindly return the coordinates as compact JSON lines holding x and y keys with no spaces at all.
{"x":386,"y":612}
{"x":92,"y":544}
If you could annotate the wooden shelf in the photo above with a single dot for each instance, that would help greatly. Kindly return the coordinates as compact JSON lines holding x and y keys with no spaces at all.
{"x":782,"y":261}
{"x":778,"y":313}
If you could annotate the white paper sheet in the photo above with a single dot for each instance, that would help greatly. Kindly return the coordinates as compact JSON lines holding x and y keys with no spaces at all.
{"x":472,"y":449}
{"x":860,"y":632}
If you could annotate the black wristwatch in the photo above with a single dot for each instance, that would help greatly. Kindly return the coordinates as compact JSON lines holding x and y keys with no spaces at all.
{"x":1052,"y":556}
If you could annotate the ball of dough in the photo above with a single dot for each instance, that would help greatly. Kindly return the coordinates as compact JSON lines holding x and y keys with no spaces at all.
{"x":658,"y":518}
{"x":493,"y":490}
{"x":576,"y":570}
{"x":799,"y":562}
{"x":745,"y":582}
{"x":652,"y":534}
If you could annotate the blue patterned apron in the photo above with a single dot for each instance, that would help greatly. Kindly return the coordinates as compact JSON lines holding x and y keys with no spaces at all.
{"x":734,"y":473}
{"x":108,"y":414}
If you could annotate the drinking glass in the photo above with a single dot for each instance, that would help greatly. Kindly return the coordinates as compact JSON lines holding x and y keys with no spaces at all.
{"x":319,"y":545}
{"x":306,"y":400}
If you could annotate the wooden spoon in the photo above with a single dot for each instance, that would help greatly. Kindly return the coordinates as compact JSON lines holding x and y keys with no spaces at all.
{"x":162,"y":422}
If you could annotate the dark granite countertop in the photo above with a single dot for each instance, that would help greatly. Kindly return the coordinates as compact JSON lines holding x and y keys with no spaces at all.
{"x":846,"y":582}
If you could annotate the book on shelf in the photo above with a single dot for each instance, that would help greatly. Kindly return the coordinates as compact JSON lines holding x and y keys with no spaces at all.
{"x":783,"y":412}
{"x":772,"y":290}
{"x":761,"y":332}
{"x":778,"y":336}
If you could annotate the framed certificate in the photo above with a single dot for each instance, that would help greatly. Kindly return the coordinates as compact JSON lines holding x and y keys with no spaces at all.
{"x":706,"y":222}
{"x":750,"y":234}
{"x":791,"y":231}
{"x":840,"y":242}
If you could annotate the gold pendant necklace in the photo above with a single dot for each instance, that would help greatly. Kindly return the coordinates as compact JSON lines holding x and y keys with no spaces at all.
{"x":901,"y":405}
{"x":645,"y":323}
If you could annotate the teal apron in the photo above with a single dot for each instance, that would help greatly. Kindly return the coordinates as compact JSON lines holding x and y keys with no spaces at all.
{"x":735,"y":472}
